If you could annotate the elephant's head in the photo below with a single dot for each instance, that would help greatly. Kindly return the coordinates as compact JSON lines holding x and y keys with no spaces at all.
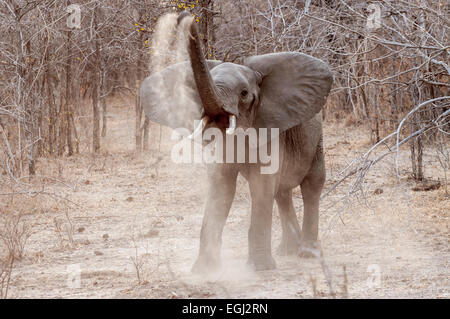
{"x":278,"y":90}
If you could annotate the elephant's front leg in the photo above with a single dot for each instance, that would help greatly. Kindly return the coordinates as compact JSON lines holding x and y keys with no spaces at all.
{"x":262,"y":189}
{"x":221,"y":190}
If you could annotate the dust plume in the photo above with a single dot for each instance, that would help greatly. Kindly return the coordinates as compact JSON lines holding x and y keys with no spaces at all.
{"x":176,"y":90}
{"x":162,"y":42}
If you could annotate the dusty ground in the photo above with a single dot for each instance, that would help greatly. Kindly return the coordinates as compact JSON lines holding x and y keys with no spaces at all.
{"x":145,"y":210}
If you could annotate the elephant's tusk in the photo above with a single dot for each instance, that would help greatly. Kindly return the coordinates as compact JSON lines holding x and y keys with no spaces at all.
{"x":232,"y":127}
{"x":199,"y":129}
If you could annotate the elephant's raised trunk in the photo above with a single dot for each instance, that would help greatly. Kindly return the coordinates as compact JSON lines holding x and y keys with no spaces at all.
{"x":205,"y":85}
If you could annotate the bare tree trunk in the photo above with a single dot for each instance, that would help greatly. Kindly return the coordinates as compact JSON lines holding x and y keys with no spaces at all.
{"x":30,"y":154}
{"x":29,"y":105}
{"x":416,"y":164}
{"x":375,"y":99}
{"x":365,"y":89}
{"x":138,"y":123}
{"x":419,"y":116}
{"x":419,"y":158}
{"x":68,"y":96}
{"x":77,"y":140}
{"x":394,"y":120}
{"x":253,"y":28}
{"x":61,"y":122}
{"x":40,"y":87}
{"x":76,"y":96}
{"x":412,"y":150}
{"x":206,"y":27}
{"x":103,"y":101}
{"x":376,"y":112}
{"x":138,"y":105}
{"x":95,"y":90}
{"x":146,"y":133}
{"x":96,"y":118}
{"x":51,"y":115}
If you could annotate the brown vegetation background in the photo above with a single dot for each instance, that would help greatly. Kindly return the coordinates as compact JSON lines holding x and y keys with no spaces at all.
{"x":59,"y":87}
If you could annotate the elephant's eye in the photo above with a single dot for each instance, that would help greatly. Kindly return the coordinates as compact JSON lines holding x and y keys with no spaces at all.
{"x":244,"y":93}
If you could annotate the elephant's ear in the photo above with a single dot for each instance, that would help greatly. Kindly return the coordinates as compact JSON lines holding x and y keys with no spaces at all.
{"x":170,"y":96}
{"x":294,"y":88}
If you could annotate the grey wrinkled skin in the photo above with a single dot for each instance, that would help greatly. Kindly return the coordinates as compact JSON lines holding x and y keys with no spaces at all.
{"x":280,"y":90}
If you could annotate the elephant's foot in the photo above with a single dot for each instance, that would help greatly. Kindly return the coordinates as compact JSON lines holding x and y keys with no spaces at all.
{"x":205,"y":265}
{"x":262,"y":263}
{"x":287,"y":248}
{"x":309,"y":249}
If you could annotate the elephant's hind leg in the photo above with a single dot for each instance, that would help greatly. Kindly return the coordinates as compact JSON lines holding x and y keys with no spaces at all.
{"x":311,"y":188}
{"x":291,"y":234}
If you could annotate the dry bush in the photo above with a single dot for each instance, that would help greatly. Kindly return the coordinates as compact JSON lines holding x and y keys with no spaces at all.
{"x":6,"y":268}
{"x":64,"y":230}
{"x":140,"y":261}
{"x":14,"y":233}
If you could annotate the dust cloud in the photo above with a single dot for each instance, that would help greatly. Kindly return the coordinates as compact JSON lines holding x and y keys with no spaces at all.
{"x":176,"y":89}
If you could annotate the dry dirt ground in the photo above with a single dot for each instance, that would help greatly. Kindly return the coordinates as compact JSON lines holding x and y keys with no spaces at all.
{"x":123,"y":214}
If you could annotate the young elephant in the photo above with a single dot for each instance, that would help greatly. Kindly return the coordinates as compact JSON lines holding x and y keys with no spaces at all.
{"x":279,"y":90}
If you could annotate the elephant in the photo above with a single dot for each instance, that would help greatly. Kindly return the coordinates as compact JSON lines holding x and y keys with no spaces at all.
{"x":284,"y":90}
